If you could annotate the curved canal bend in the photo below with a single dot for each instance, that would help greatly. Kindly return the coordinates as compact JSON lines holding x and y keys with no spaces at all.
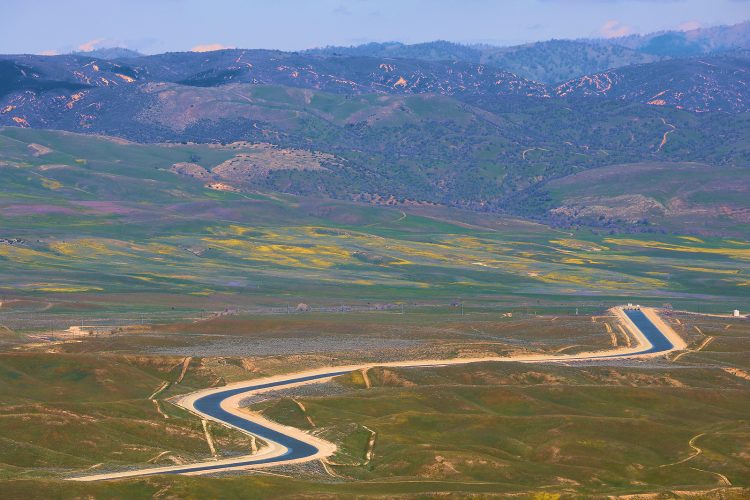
{"x":293,"y":446}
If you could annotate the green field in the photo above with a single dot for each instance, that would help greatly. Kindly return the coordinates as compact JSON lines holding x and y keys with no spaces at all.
{"x":239,"y":285}
{"x":670,"y":196}
{"x":104,"y":226}
{"x":485,"y":429}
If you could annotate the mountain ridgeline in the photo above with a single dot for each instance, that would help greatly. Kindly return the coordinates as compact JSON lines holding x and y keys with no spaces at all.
{"x":549,"y":62}
{"x":434,"y":123}
{"x":556,"y":61}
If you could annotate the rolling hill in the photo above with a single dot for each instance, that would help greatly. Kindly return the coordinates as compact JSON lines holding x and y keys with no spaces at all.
{"x":147,"y":227}
{"x":693,"y":42}
{"x":555,"y":61}
{"x":190,"y":220}
{"x":668,"y":196}
{"x":697,"y":84}
{"x":393,"y":130}
{"x":549,"y":62}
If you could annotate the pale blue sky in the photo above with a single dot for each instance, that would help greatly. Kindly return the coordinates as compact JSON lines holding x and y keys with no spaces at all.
{"x":152,"y":26}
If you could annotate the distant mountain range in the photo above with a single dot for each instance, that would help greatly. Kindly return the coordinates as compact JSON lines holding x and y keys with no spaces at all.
{"x":549,"y":62}
{"x":698,"y":84}
{"x":694,"y":42}
{"x":555,"y":61}
{"x":110,"y":53}
{"x":408,"y":124}
{"x":39,"y":90}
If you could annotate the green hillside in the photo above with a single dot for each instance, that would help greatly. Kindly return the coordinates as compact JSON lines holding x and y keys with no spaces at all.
{"x":90,"y":218}
{"x":649,"y":196}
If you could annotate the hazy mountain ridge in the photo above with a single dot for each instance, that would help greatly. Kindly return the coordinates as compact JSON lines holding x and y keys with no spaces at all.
{"x":548,"y":62}
{"x":110,"y":53}
{"x":402,"y":130}
{"x":687,"y":43}
{"x":555,"y":61}
{"x":28,"y":72}
{"x":699,"y":84}
{"x":472,"y":151}
{"x":559,"y":60}
{"x":439,"y":50}
{"x":341,"y":75}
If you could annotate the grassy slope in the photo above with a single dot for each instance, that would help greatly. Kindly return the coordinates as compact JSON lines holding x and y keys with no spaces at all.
{"x":592,"y":430}
{"x":68,"y":413}
{"x":152,"y":234}
{"x":483,"y":428}
{"x":72,"y":405}
{"x":707,"y":199}
{"x":467,"y":150}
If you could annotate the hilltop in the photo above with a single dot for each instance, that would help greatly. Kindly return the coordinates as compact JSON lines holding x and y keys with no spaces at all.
{"x":110,"y":53}
{"x":692,"y":42}
{"x":555,"y":61}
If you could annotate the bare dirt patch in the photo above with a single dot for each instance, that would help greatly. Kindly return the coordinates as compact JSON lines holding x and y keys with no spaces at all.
{"x":738,"y":373}
{"x":635,"y":206}
{"x":265,"y":158}
{"x":38,"y":149}
{"x":191,"y":170}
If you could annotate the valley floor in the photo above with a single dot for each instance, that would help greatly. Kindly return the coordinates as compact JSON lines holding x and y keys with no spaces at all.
{"x":485,"y":429}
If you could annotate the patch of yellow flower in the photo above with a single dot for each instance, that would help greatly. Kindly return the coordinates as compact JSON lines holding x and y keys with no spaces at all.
{"x":316,"y":256}
{"x":736,"y":253}
{"x":362,"y":282}
{"x":323,"y":232}
{"x":154,"y":248}
{"x":27,"y":255}
{"x":51,"y":184}
{"x":87,"y":248}
{"x":62,"y":288}
{"x":573,"y":260}
{"x":708,"y":270}
{"x":590,"y":281}
{"x":579,"y":245}
{"x":692,"y":238}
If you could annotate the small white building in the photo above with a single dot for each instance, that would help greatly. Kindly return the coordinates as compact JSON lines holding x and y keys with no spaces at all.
{"x":736,"y":313}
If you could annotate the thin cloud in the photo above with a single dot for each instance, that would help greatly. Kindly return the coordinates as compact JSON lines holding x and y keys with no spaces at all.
{"x":49,"y":53}
{"x":90,"y":45}
{"x":342,"y":11}
{"x":210,"y":47}
{"x":614,"y":29}
{"x":689,"y":26}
